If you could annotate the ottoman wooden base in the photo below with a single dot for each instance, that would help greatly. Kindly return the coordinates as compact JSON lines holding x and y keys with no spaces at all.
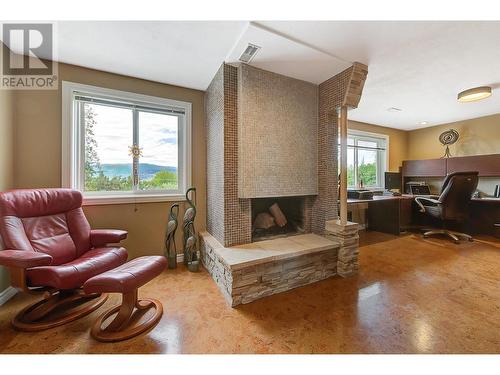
{"x":126,"y":323}
{"x":131,"y":319}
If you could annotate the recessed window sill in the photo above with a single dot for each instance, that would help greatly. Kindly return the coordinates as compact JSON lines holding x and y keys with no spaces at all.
{"x":96,"y":200}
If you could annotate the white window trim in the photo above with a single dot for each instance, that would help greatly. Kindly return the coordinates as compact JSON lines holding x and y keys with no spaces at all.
{"x":375,"y":135}
{"x":71,"y":152}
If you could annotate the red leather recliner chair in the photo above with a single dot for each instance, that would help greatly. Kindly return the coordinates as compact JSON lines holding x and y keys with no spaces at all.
{"x":50,"y":249}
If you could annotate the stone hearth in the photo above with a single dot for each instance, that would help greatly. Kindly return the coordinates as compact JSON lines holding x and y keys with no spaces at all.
{"x":248,"y":272}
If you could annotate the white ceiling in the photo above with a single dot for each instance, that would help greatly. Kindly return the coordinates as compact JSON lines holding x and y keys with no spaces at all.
{"x":286,"y":56}
{"x":182,"y":53}
{"x":418,"y":67}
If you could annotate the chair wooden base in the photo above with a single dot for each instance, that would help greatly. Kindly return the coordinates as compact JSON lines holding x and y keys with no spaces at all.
{"x":56,"y":309}
{"x":127,"y":322}
{"x":455,"y":236}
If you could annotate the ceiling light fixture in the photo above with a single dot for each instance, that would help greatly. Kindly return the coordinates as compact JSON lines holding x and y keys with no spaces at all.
{"x":472,"y":95}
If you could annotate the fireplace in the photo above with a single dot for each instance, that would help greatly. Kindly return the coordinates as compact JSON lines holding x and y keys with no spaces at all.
{"x":277,"y":217}
{"x":272,"y":143}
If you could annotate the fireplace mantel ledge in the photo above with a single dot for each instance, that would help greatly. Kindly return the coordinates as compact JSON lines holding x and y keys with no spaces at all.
{"x":242,"y":256}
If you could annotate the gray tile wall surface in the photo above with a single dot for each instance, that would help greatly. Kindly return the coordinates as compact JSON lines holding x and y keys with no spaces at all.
{"x":331,"y":95}
{"x":214,"y":111}
{"x":237,"y":225}
{"x":278,"y":132}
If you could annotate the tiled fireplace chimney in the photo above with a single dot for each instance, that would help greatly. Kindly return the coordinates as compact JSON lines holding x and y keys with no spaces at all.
{"x":269,"y":136}
{"x":262,"y":143}
{"x":228,"y":216}
{"x":273,"y":139}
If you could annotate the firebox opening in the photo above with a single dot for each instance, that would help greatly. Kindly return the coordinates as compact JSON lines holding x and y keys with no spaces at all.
{"x":277,"y":217}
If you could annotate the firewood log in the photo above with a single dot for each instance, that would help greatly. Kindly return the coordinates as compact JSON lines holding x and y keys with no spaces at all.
{"x":278,"y":215}
{"x":263,"y":220}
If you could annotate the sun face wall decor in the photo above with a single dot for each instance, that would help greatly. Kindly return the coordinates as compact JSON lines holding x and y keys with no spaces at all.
{"x":136,"y":152}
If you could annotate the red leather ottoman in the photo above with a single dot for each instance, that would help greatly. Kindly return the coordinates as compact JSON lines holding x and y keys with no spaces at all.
{"x":126,"y":279}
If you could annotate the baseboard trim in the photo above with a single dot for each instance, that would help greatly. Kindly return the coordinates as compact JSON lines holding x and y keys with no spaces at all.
{"x":7,"y":294}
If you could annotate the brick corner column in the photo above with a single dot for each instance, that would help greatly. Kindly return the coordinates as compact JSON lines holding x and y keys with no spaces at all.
{"x":348,"y":238}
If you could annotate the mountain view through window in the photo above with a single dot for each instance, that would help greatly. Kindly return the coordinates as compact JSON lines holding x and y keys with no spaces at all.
{"x":110,"y":134}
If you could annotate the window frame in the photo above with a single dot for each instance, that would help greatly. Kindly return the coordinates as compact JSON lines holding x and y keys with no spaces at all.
{"x":73,"y":145}
{"x":382,"y":162}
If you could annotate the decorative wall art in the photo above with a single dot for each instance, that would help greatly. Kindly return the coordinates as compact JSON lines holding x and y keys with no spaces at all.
{"x":448,"y":138}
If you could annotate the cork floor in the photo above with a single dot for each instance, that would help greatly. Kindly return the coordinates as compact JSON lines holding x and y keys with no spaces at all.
{"x":411,"y":296}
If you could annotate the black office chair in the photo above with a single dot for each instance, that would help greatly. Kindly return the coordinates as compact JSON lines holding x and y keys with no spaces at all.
{"x":452,"y":204}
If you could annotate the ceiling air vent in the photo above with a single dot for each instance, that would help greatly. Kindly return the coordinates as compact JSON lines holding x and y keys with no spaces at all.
{"x":249,"y":53}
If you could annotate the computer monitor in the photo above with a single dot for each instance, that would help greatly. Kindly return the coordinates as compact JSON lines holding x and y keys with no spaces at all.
{"x":393,"y":180}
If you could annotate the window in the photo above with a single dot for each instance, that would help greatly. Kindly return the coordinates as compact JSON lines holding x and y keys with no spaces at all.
{"x":366,"y":159}
{"x":121,"y":147}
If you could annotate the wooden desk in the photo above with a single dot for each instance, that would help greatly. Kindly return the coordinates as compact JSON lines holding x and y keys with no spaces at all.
{"x":377,"y":198}
{"x":484,"y":213}
{"x":394,"y":215}
{"x":388,"y":214}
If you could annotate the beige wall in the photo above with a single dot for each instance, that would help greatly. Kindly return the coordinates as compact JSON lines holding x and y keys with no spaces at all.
{"x":38,"y":155}
{"x":6,"y":157}
{"x":477,"y":136}
{"x":398,"y":141}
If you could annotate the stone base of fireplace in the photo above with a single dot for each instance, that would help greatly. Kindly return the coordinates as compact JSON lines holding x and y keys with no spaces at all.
{"x":248,"y":272}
